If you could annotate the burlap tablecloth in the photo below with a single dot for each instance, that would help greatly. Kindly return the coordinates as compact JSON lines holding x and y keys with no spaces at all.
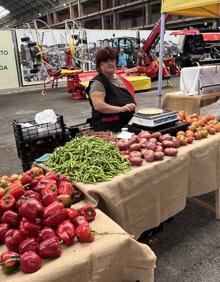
{"x":145,"y":196}
{"x":150,"y":194}
{"x":113,"y":257}
{"x":204,"y":165}
{"x":190,"y":104}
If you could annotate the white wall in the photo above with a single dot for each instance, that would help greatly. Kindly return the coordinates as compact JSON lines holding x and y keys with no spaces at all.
{"x":8,"y":71}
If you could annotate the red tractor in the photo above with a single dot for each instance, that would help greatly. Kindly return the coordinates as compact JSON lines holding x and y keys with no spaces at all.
{"x":197,"y":48}
{"x":150,"y":66}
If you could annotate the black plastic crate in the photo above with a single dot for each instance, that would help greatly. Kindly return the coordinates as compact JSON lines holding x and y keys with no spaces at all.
{"x":75,"y":130}
{"x":31,"y":150}
{"x":36,"y":140}
{"x":37,"y":131}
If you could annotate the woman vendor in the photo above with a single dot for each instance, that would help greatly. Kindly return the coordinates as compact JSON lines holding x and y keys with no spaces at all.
{"x":112,"y":103}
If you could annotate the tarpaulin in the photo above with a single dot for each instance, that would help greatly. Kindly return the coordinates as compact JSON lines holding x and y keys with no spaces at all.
{"x":195,"y":8}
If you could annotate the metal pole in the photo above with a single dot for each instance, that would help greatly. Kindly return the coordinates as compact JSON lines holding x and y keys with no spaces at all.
{"x":160,"y":75}
{"x":17,"y":57}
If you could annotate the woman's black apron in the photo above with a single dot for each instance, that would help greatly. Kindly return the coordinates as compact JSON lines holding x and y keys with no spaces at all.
{"x":115,"y":96}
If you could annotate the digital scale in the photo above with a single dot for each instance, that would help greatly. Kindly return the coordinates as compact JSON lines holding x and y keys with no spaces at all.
{"x":145,"y":118}
{"x":154,"y":120}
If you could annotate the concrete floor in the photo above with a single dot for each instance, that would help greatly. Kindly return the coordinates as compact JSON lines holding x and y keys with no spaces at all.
{"x":188,"y":249}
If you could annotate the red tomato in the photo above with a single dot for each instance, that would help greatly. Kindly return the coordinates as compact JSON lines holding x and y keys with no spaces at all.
{"x":198,"y":135}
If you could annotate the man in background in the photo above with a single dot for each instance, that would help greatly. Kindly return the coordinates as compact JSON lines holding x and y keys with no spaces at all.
{"x":122,"y":59}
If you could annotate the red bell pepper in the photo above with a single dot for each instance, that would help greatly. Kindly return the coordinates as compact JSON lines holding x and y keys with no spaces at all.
{"x":27,"y":195}
{"x":55,"y":206}
{"x":56,"y":218}
{"x":13,"y":238}
{"x":89,"y":212}
{"x":51,"y":175}
{"x":7,"y":202}
{"x":63,"y":177}
{"x":38,"y":187}
{"x":49,"y":188}
{"x":46,"y":181}
{"x":26,"y":179}
{"x":66,"y":232}
{"x":50,"y":248}
{"x":80,"y":219}
{"x":84,"y":233}
{"x":72,"y":213}
{"x":46,"y":233}
{"x":29,"y":228}
{"x":16,"y":189}
{"x":29,"y":244}
{"x":31,"y":209}
{"x":10,"y":217}
{"x":36,"y":180}
{"x":49,"y":199}
{"x":32,"y":194}
{"x":9,"y":261}
{"x":65,"y":199}
{"x":65,"y":188}
{"x":30,"y":262}
{"x":1,"y":212}
{"x":4,"y":227}
{"x":35,"y":171}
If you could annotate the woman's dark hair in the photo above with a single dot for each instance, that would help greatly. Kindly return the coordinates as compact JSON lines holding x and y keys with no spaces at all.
{"x":105,"y":54}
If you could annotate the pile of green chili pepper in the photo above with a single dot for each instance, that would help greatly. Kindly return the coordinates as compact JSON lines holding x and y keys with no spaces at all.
{"x":88,"y":159}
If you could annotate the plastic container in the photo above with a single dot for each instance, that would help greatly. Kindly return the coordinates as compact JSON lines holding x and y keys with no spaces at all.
{"x":74,"y":130}
{"x":35,"y":140}
{"x":29,"y":130}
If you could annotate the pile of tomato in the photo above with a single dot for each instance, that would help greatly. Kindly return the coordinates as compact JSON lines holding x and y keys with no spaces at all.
{"x":199,"y":127}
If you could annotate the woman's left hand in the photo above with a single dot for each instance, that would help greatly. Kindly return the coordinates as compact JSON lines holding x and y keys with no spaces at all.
{"x":128,"y":108}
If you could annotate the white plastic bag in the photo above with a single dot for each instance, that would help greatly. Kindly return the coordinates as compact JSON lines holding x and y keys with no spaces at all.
{"x":46,"y":116}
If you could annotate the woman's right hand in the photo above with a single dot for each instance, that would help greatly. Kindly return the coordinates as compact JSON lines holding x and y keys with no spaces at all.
{"x":128,"y":108}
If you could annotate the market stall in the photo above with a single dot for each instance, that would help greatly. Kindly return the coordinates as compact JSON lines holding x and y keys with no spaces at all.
{"x":198,"y":8}
{"x":148,"y":195}
{"x":113,"y":256}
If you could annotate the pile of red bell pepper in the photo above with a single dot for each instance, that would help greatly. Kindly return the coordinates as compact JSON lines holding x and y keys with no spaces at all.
{"x":36,"y":217}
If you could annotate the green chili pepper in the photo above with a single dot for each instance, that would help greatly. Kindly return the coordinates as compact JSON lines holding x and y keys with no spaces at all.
{"x":88,"y":159}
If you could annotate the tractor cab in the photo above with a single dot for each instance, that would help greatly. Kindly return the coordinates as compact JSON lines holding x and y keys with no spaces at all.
{"x":196,"y":48}
{"x":131,"y":46}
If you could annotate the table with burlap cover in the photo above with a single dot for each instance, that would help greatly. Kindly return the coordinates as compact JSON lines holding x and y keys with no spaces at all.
{"x":204,"y":165}
{"x":177,"y":101}
{"x":143,"y":197}
{"x":150,"y":194}
{"x":115,"y":256}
